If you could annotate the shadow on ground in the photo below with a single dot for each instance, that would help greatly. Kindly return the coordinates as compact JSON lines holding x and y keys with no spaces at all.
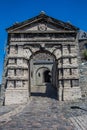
{"x":50,"y":92}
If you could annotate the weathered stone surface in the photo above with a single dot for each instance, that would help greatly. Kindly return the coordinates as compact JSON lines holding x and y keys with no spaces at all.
{"x":83,"y":78}
{"x":41,"y":53}
{"x":44,"y":113}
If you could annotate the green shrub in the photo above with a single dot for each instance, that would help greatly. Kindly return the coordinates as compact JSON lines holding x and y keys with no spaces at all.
{"x":85,"y":54}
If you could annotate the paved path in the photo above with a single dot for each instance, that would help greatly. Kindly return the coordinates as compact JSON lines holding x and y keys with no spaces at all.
{"x":80,"y":122}
{"x":44,"y":113}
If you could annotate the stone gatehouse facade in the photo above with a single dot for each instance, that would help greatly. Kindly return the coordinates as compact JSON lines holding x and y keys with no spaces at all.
{"x":41,"y":50}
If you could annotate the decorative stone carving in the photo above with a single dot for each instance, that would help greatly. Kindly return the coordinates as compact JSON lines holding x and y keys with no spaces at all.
{"x":57,"y":53}
{"x":27,"y":53}
{"x":42,"y":27}
{"x":10,"y":84}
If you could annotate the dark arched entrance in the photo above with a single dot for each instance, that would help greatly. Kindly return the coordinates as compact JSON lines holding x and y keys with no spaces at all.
{"x":47,"y":76}
{"x":42,"y":73}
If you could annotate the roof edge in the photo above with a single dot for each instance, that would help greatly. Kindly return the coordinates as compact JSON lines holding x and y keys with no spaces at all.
{"x":41,"y":15}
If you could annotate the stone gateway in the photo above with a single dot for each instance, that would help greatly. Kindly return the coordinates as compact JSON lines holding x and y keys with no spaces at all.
{"x":41,"y":51}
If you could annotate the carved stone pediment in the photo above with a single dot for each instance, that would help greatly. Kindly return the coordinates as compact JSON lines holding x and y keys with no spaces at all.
{"x":38,"y":27}
{"x":41,"y":23}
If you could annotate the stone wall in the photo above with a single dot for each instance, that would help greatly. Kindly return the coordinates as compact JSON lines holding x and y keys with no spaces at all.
{"x":64,"y":72}
{"x":83,"y":78}
{"x":83,"y":67}
{"x":54,"y":49}
{"x":82,"y":47}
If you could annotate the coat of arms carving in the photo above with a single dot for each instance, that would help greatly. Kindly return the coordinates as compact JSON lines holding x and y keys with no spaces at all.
{"x":42,"y":27}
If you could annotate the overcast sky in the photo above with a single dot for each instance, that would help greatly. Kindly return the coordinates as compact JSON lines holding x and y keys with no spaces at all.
{"x":11,"y":11}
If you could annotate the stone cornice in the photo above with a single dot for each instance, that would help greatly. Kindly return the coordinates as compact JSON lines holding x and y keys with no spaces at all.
{"x":41,"y":39}
{"x":31,"y":43}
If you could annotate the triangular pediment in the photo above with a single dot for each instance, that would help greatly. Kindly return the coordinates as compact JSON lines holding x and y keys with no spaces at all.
{"x":42,"y":27}
{"x":41,"y":23}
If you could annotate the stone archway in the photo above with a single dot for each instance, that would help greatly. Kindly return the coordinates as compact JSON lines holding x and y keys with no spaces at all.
{"x":47,"y":76}
{"x":43,"y":75}
{"x":42,"y":70}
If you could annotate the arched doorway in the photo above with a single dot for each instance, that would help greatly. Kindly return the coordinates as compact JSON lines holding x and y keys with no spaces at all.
{"x":47,"y":76}
{"x":42,"y":71}
{"x":43,"y":75}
